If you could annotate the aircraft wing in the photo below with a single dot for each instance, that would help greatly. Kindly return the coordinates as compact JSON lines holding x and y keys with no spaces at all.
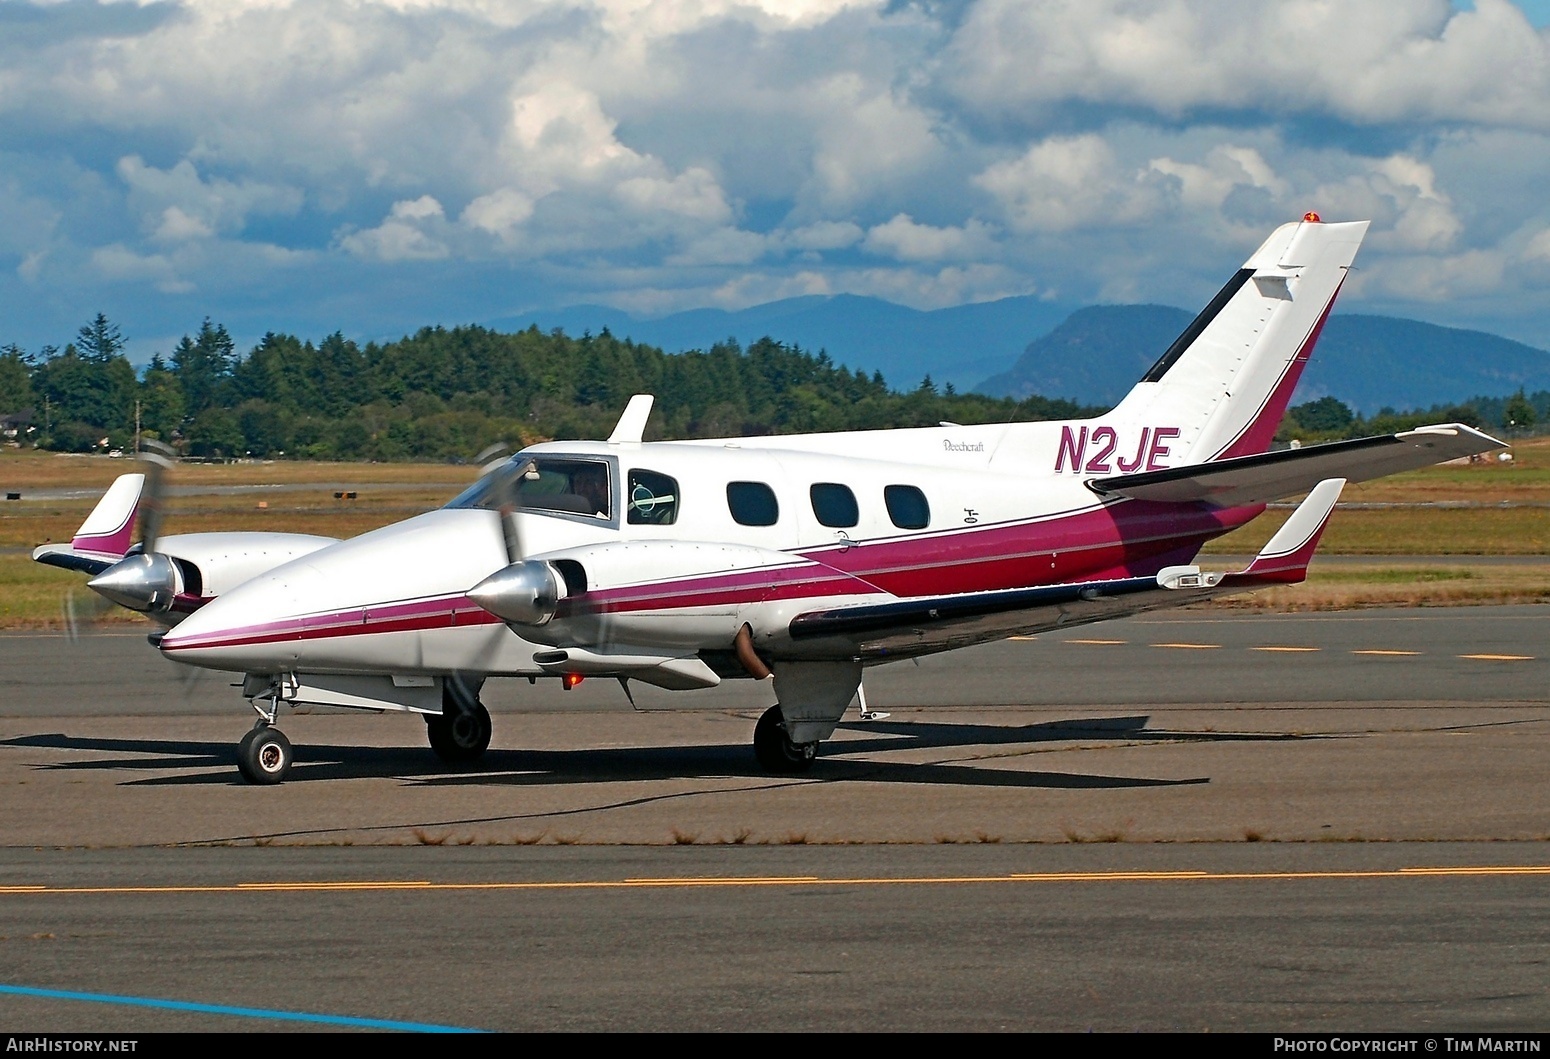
{"x":1276,"y":475}
{"x":67,"y":558}
{"x":918,"y":626}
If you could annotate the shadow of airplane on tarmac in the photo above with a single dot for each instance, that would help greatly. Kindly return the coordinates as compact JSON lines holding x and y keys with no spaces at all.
{"x":851,"y":758}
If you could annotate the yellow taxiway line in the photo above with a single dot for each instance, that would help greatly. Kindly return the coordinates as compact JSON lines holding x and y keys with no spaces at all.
{"x":1483,"y":871}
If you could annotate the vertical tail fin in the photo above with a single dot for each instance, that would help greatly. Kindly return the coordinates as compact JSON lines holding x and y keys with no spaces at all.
{"x":1224,"y":385}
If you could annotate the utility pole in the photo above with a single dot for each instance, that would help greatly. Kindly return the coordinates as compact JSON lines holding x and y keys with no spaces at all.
{"x":137,"y":426}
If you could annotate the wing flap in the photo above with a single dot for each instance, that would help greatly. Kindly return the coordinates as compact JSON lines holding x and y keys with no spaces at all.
{"x":1276,"y":475}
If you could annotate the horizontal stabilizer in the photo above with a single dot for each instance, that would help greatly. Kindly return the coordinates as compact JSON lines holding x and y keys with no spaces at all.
{"x":1275,"y":475}
{"x":66,"y":558}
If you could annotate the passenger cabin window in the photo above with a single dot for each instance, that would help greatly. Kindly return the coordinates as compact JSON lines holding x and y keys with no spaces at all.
{"x":907,"y":506}
{"x":834,"y":505}
{"x":653,"y":499}
{"x":752,"y":503}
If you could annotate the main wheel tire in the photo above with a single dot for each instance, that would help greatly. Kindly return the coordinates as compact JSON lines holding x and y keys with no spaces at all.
{"x":774,"y":748}
{"x":264,"y":756}
{"x":459,"y":735}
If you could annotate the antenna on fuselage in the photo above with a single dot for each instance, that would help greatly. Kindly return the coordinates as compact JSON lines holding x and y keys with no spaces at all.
{"x":632,"y":424}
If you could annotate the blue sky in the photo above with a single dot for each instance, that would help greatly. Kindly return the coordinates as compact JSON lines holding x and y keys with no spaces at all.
{"x":377,"y":166}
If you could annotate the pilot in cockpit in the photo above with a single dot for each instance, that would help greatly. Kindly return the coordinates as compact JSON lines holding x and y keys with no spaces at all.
{"x":590,"y":481}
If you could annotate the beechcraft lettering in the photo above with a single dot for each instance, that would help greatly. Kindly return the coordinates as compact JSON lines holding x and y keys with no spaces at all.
{"x":800,"y":560}
{"x":1147,"y":454}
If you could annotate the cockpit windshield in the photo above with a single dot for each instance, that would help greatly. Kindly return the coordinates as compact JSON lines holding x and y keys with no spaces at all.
{"x":567,"y":485}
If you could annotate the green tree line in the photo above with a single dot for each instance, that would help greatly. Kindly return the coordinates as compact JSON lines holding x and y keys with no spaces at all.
{"x":446,"y":393}
{"x":1330,"y":419}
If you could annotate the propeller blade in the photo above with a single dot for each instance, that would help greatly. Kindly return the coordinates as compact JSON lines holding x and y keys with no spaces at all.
{"x":506,"y":500}
{"x":140,"y":582}
{"x":83,"y":615}
{"x":157,"y":459}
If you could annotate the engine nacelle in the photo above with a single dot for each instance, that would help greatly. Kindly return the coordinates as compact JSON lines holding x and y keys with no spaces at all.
{"x":197,"y":567}
{"x":215,"y":563}
{"x":673,"y":595}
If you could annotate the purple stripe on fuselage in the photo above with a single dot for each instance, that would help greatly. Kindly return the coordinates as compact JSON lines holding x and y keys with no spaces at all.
{"x":1122,"y":538}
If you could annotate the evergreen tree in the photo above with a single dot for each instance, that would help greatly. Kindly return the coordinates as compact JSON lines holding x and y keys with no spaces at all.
{"x":204,"y":367}
{"x":99,"y":341}
{"x":1519,"y":412}
{"x":15,"y":379}
{"x":162,"y":407}
{"x":98,"y":394}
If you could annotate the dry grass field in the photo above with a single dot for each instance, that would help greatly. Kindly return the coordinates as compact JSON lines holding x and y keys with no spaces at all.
{"x":1491,"y":509}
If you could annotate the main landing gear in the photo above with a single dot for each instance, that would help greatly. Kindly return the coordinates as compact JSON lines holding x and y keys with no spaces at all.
{"x":461,"y":732}
{"x":774,"y":748}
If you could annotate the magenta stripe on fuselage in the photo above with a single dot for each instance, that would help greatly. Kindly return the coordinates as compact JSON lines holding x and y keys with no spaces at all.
{"x":1124,"y":538}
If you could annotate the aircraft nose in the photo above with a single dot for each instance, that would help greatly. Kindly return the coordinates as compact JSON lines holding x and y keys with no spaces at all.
{"x":253,"y":628}
{"x":358,"y":606}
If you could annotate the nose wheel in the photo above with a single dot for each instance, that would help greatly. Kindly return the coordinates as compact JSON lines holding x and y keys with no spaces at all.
{"x":774,"y":748}
{"x":264,"y":755}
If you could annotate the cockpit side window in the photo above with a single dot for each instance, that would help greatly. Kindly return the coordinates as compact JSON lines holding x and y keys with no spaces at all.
{"x":576,"y":486}
{"x":572,"y":486}
{"x":652,"y":499}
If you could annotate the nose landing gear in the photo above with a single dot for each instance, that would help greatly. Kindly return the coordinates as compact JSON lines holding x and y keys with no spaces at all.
{"x":264,"y":755}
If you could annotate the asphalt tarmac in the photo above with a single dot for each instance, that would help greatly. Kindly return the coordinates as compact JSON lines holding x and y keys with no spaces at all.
{"x":1188,"y":821}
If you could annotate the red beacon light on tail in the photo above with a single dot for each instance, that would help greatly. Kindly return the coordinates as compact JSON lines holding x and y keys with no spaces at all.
{"x":1311,"y":218}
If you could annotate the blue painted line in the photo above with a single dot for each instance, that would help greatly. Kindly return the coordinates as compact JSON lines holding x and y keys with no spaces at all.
{"x":224,"y":1009}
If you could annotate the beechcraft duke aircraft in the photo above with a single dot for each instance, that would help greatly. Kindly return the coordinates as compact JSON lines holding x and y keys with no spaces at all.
{"x":803,"y":559}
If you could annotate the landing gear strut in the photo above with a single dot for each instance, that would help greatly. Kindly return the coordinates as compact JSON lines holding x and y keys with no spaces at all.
{"x":774,"y":748}
{"x":461,"y":732}
{"x":264,"y":755}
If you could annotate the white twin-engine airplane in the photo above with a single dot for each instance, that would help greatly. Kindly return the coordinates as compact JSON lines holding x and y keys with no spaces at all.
{"x":804,"y":558}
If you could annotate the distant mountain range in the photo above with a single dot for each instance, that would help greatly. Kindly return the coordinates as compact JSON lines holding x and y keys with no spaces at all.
{"x":962,"y":345}
{"x":1022,"y":346}
{"x":1368,"y":362}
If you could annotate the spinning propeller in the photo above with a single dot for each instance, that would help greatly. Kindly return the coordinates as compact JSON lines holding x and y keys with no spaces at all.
{"x":145,"y":580}
{"x":525,"y":591}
